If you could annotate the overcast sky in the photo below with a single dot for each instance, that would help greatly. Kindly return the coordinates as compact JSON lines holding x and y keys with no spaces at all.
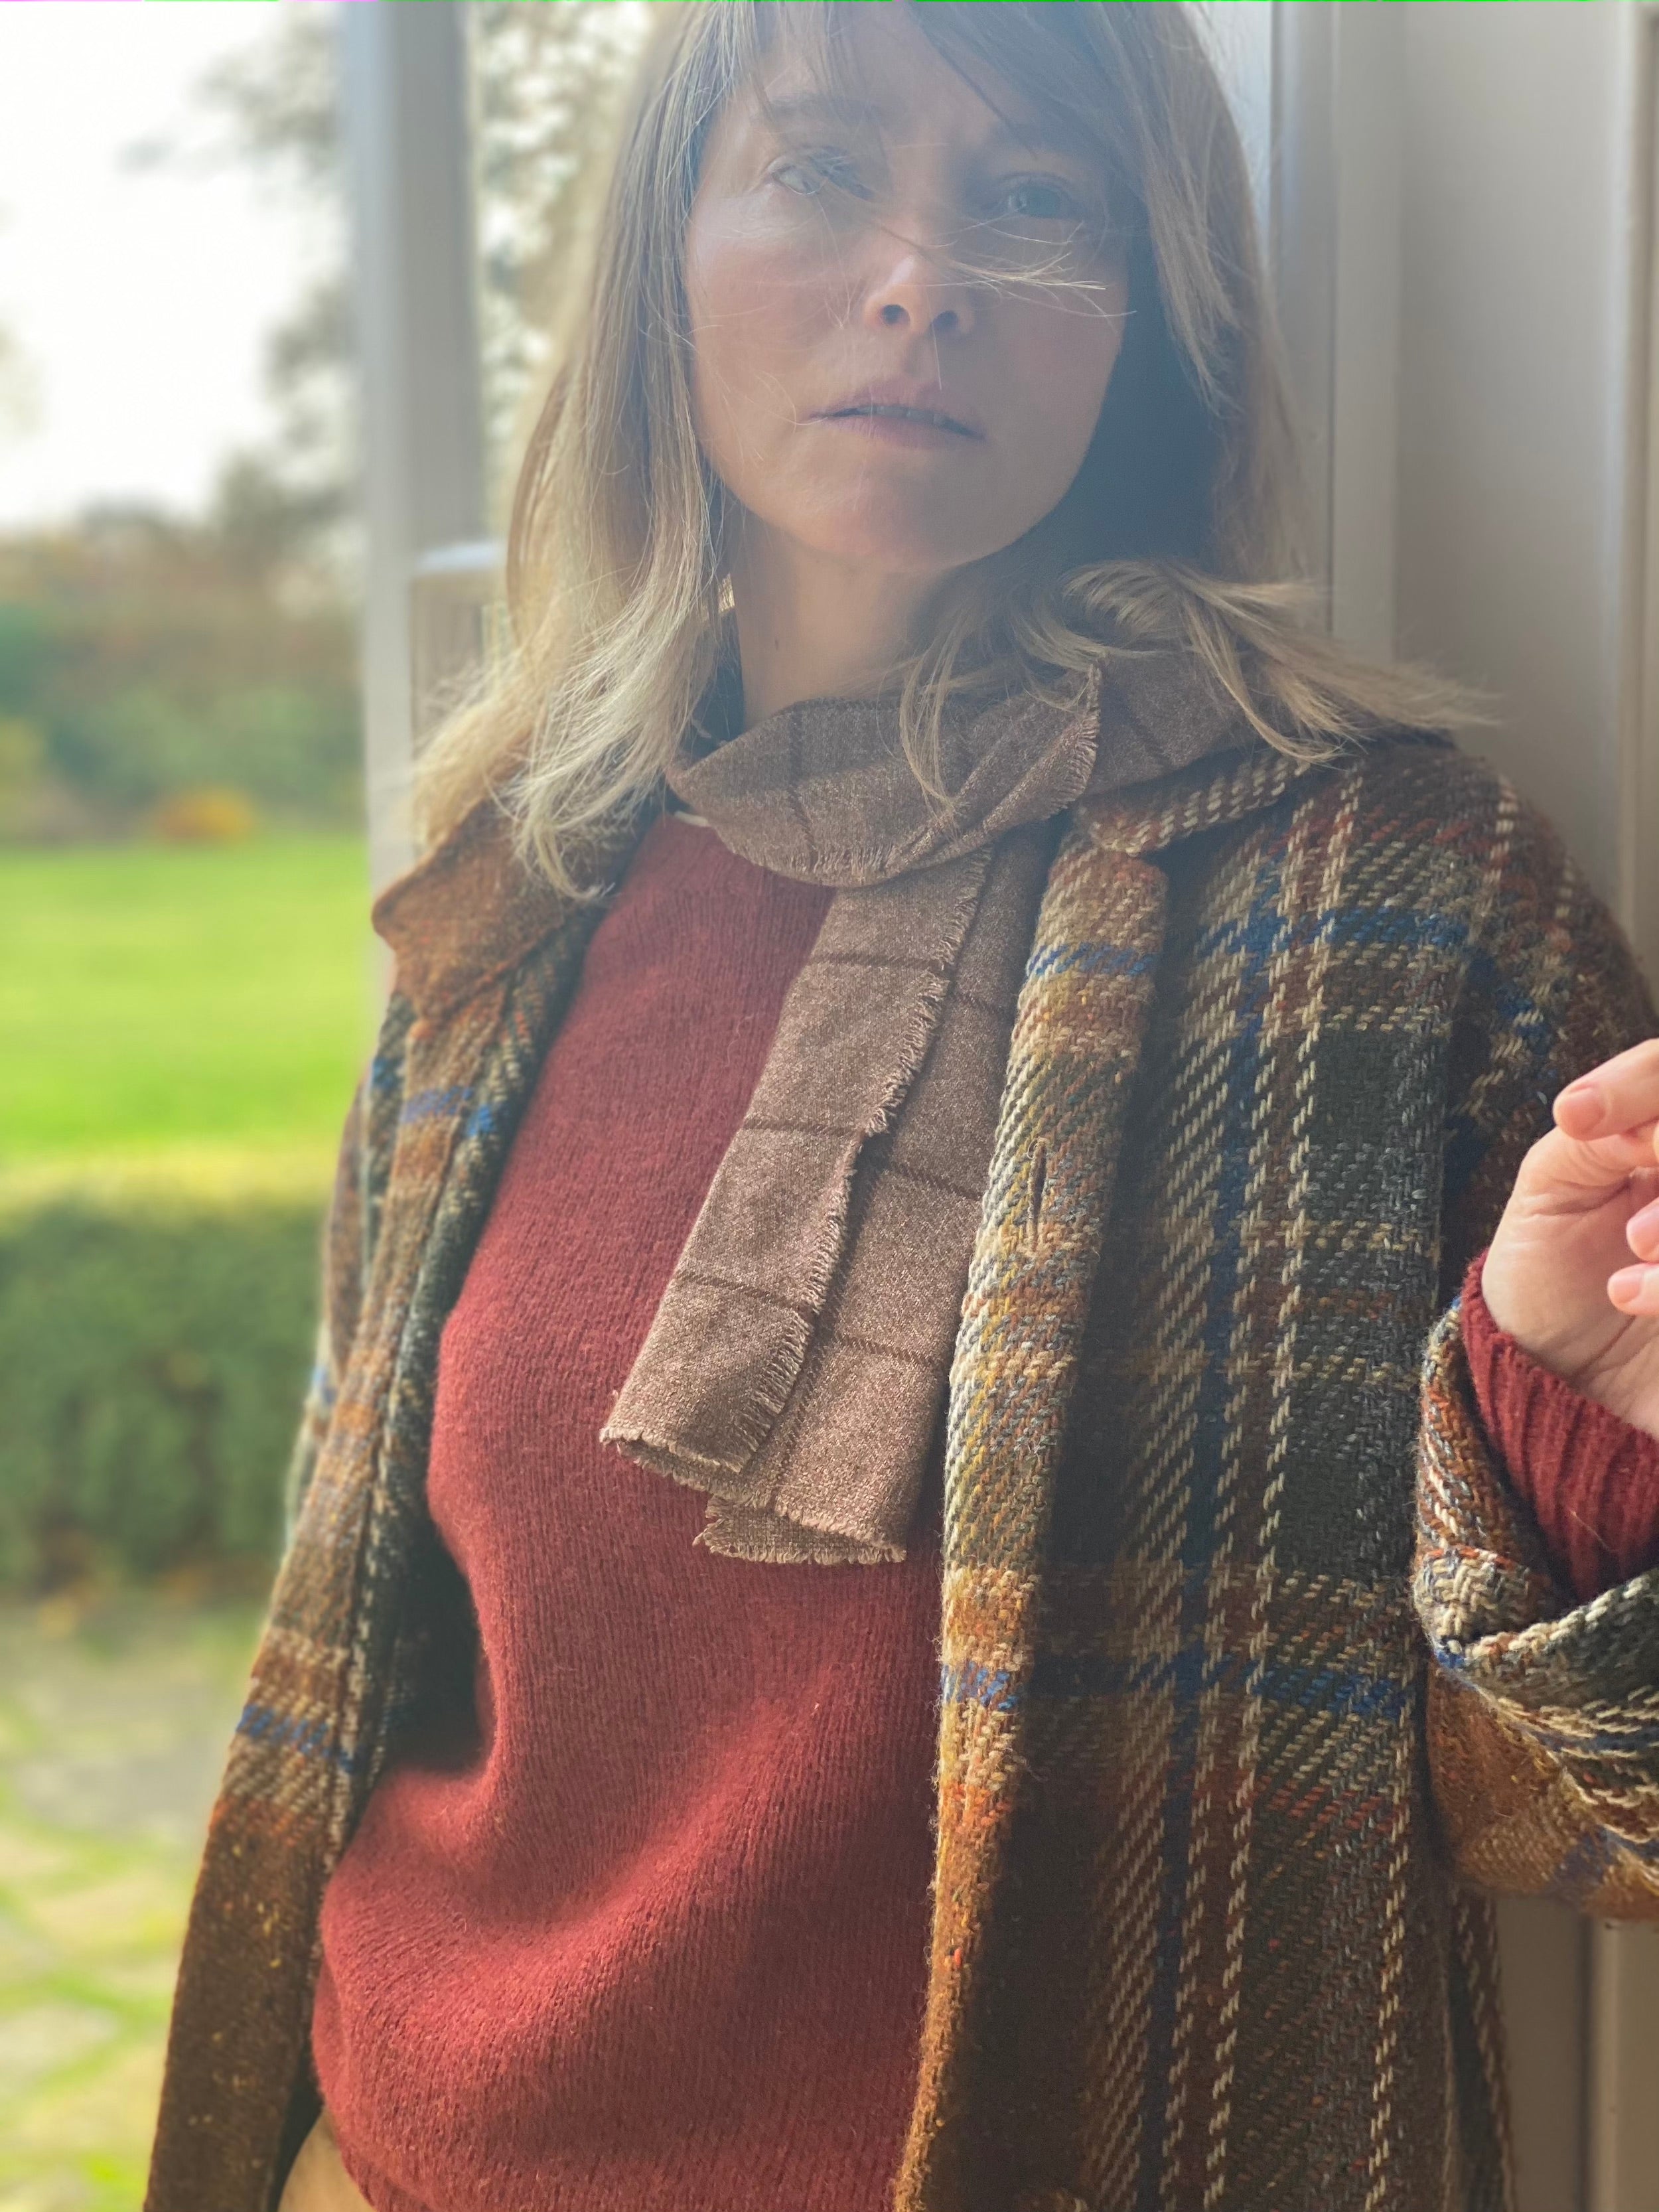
{"x":139,"y":301}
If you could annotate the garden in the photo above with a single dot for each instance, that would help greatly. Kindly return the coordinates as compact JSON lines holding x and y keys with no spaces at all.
{"x":181,"y":1026}
{"x":185,"y":998}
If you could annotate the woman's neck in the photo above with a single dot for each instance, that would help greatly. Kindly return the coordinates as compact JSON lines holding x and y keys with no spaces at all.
{"x":812,"y":628}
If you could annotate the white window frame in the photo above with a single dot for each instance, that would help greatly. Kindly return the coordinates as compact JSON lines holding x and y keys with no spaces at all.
{"x":409,"y":144}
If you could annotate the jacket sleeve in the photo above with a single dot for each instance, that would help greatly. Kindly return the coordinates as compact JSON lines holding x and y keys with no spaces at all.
{"x":1543,"y":1712}
{"x":350,"y":1226}
{"x":1590,"y":1479}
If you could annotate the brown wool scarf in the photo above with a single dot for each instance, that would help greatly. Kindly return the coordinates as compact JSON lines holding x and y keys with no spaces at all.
{"x":798,"y":1361}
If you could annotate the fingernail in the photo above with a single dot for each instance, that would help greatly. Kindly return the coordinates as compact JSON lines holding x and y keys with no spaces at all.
{"x":1583,"y":1093}
{"x":1626,"y":1282}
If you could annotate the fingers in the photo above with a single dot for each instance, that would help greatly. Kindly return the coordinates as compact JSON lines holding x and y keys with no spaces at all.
{"x":1589,"y":1168}
{"x":1642,"y":1229}
{"x":1614,"y":1098}
{"x":1607,"y":1133}
{"x":1635,"y":1291}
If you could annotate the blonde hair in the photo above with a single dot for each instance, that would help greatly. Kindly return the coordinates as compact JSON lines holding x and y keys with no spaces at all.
{"x":1180,"y":528}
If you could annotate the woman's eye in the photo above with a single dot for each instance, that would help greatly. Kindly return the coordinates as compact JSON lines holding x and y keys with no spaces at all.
{"x":809,"y":174}
{"x":1033,"y":199}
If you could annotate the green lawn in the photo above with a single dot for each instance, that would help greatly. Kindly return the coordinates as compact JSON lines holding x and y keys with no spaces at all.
{"x":194,"y":1018}
{"x":160,"y":999}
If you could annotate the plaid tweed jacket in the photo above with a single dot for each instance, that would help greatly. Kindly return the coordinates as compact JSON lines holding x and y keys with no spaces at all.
{"x":1253,"y":1683}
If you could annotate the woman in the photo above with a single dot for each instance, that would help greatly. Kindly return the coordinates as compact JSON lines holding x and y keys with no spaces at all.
{"x":849,"y":1634}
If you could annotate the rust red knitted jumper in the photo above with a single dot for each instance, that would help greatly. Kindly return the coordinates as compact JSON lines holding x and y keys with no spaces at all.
{"x":646,"y":1930}
{"x":1592,"y":1480}
{"x":653,"y":1932}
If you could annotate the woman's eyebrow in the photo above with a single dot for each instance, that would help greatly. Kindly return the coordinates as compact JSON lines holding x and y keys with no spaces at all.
{"x":843,"y":108}
{"x":819,"y":107}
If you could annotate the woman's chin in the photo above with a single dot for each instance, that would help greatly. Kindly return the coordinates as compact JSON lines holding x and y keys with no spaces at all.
{"x":894,"y":541}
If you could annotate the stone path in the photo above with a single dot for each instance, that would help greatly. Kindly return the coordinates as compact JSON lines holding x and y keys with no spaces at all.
{"x":112,"y":1731}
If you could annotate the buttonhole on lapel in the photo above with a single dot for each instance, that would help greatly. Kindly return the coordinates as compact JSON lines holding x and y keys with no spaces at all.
{"x":1038,"y":1188}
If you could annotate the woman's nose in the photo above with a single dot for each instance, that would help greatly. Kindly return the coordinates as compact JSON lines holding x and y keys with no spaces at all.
{"x":918,"y":294}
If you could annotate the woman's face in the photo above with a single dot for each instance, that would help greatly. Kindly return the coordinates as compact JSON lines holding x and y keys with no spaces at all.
{"x":808,"y":307}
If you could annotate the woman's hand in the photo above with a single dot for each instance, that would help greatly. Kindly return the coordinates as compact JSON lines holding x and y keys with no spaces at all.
{"x":1559,"y":1276}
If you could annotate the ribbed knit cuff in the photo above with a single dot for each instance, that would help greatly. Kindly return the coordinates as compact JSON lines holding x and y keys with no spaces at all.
{"x":1591,"y":1480}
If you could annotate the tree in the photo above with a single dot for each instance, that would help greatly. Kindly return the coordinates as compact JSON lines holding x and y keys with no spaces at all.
{"x":142,"y":656}
{"x":548,"y":86}
{"x":273,"y":109}
{"x":548,"y":83}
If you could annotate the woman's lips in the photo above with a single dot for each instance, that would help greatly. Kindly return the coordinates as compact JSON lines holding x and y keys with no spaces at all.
{"x":900,"y":426}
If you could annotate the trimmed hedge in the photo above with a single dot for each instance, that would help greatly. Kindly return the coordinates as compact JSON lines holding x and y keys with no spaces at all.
{"x":155,"y":1334}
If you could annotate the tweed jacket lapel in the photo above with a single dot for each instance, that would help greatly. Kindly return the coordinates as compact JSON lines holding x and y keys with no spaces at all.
{"x":1076,"y":1046}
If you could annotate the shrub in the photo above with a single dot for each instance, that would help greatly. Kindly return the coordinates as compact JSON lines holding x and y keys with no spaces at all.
{"x":155,"y":1337}
{"x":205,"y":814}
{"x":151,"y":654}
